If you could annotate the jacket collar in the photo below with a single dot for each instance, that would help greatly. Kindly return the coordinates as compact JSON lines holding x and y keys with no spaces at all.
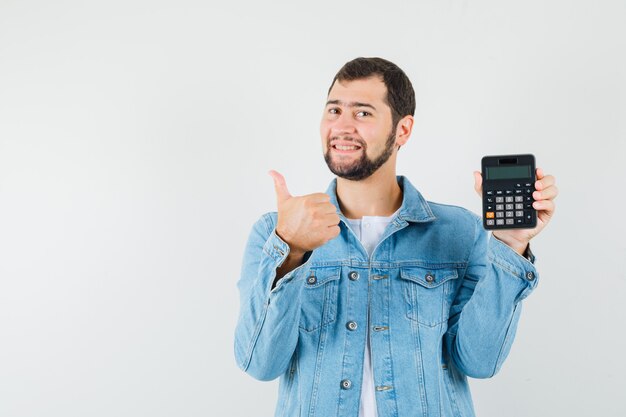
{"x":414,"y":207}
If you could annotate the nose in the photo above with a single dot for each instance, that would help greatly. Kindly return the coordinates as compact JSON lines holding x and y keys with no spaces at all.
{"x":343,"y":125}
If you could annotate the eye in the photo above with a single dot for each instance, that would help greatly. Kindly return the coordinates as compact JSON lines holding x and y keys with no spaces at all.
{"x":333,"y":110}
{"x":363,"y":113}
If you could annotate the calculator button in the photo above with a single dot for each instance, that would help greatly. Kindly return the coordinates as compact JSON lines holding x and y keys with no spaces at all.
{"x":490,"y":222}
{"x":529,"y":191}
{"x":509,"y":221}
{"x":528,"y":218}
{"x":499,"y":199}
{"x":519,"y":213}
{"x":519,"y":206}
{"x":489,"y":214}
{"x":519,"y":199}
{"x":508,"y":207}
{"x":519,"y":192}
{"x":499,"y":222}
{"x":489,"y":192}
{"x":528,"y":184}
{"x":489,"y":207}
{"x":508,"y":199}
{"x":499,"y":214}
{"x":509,"y":214}
{"x":499,"y":192}
{"x":528,"y":199}
{"x":518,"y":185}
{"x":508,"y":192}
{"x":528,"y":206}
{"x":499,"y":206}
{"x":519,"y":220}
{"x":489,"y":200}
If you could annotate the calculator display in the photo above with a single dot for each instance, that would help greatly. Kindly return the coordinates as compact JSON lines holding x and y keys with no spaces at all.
{"x":508,"y":186}
{"x":506,"y":173}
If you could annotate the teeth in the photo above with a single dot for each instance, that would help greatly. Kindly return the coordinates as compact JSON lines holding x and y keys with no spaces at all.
{"x":346,"y":148}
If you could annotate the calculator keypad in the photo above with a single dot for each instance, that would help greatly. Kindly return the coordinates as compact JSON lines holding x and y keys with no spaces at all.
{"x":509,"y":206}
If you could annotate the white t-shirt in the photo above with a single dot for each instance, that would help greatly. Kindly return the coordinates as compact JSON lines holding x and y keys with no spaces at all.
{"x":369,"y":230}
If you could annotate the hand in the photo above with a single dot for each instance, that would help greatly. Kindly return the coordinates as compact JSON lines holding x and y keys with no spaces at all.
{"x":544,"y":204}
{"x":305,"y":222}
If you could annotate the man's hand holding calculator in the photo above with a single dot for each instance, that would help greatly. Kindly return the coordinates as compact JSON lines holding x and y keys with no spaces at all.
{"x":544,"y":195}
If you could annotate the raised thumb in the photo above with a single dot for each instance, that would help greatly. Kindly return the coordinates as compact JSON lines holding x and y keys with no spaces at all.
{"x":282,"y":193}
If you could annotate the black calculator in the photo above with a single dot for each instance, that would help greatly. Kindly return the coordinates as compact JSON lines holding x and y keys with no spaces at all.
{"x":508,"y":186}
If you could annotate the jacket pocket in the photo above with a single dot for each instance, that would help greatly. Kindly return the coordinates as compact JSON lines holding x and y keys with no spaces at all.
{"x":427,"y":293}
{"x":319,"y":298}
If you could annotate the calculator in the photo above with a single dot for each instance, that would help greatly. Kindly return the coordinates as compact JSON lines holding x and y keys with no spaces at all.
{"x":508,"y":186}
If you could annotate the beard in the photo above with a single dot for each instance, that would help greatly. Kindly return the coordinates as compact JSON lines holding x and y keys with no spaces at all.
{"x":364,"y":166}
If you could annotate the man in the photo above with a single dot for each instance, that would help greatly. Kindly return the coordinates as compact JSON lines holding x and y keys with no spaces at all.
{"x":367,"y":300}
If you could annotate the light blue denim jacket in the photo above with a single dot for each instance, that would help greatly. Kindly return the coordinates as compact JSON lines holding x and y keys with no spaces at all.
{"x":442,"y":300}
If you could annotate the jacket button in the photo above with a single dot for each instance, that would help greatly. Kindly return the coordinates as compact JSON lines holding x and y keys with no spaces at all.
{"x":430,"y":277}
{"x":530,"y":276}
{"x":346,"y":384}
{"x":311,"y":280}
{"x":351,"y":325}
{"x":353,"y":275}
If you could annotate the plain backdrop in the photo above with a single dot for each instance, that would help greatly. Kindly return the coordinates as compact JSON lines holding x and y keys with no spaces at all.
{"x":135,"y":140}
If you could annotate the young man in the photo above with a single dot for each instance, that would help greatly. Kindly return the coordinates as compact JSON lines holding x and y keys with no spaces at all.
{"x":368,"y":300}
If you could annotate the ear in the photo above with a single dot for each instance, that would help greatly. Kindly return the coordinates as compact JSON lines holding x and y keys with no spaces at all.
{"x":403,"y":130}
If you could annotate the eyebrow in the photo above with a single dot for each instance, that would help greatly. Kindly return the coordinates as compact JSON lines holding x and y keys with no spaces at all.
{"x":350,"y":104}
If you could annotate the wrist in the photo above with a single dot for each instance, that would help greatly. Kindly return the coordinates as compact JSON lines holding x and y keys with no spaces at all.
{"x":293,"y":249}
{"x":518,"y":246}
{"x":295,"y":255}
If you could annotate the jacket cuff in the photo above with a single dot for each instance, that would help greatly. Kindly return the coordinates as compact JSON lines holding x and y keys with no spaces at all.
{"x":278,"y":250}
{"x":505,"y":257}
{"x":529,"y":254}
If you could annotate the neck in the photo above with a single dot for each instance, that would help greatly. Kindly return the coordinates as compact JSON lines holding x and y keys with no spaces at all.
{"x":377,"y":195}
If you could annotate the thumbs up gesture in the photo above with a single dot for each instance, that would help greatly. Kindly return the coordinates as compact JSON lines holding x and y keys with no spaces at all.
{"x":305,"y":222}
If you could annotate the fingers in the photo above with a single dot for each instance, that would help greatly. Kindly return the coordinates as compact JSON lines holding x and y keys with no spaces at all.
{"x":331,"y":218}
{"x":546,"y":192}
{"x":545,"y":210}
{"x":545,"y":182}
{"x":545,"y":186}
{"x":280,"y":186}
{"x":319,"y":198}
{"x":334,"y":231}
{"x":544,"y":205}
{"x":327,"y":209}
{"x":539,"y":173}
{"x":549,"y":193}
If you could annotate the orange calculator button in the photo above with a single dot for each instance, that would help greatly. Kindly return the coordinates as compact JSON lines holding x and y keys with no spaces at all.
{"x":489,"y":215}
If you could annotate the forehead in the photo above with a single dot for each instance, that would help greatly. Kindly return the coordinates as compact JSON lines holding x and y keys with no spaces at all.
{"x":370,"y":90}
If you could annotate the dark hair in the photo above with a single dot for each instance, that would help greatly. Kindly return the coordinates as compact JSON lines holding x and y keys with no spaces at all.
{"x":400,"y":94}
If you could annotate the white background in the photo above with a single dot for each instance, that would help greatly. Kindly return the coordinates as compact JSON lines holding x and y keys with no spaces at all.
{"x":135,"y":140}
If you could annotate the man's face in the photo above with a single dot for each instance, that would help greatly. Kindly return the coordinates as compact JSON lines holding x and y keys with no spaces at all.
{"x":356,"y":115}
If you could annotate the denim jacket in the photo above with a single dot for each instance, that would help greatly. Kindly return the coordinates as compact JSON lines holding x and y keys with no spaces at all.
{"x":441,"y":298}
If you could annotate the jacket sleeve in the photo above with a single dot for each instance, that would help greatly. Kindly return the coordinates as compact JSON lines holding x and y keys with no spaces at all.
{"x":267,"y":327}
{"x":486,"y":310}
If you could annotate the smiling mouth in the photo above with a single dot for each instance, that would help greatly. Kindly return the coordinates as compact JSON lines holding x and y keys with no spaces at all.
{"x":345,"y":149}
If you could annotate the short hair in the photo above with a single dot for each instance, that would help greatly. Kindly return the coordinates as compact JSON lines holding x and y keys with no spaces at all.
{"x":400,"y":94}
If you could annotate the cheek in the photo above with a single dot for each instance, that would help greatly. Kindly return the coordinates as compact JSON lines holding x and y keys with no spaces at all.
{"x":324,"y":133}
{"x":322,"y":128}
{"x":324,"y":142}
